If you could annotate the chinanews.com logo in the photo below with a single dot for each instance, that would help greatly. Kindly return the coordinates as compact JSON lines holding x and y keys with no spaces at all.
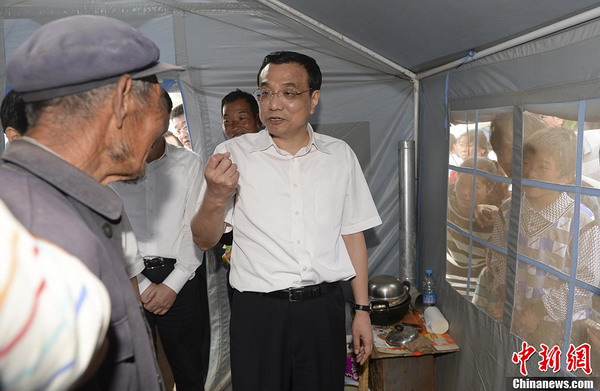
{"x":549,"y":383}
{"x":576,"y":358}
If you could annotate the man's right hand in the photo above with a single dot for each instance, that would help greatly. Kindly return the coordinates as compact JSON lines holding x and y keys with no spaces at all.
{"x":221,"y":176}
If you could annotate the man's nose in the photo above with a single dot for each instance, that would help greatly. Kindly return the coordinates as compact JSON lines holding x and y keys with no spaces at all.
{"x":275,"y":102}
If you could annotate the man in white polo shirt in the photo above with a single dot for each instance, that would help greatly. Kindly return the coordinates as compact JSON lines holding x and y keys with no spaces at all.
{"x":301,"y":203}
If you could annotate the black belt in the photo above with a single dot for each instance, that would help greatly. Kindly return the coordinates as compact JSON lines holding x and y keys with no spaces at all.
{"x":303,"y":293}
{"x":156,"y":262}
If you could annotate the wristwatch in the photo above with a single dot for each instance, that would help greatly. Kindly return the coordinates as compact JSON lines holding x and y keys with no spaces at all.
{"x":366,"y":308}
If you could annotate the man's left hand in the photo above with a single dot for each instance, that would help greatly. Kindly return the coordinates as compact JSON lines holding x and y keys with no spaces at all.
{"x":362,"y":336}
{"x":162,"y":301}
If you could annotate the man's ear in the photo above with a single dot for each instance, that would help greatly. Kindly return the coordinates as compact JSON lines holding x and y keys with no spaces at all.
{"x":11,"y":133}
{"x":121,"y":102}
{"x":314,"y":100}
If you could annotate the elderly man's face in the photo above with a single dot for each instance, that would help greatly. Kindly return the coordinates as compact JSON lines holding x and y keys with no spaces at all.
{"x":143,"y":127}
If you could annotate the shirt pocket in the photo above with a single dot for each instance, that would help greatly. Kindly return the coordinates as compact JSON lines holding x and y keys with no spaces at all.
{"x":329,"y":203}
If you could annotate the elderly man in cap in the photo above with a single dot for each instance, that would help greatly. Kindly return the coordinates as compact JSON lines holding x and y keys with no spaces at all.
{"x":94,"y":107}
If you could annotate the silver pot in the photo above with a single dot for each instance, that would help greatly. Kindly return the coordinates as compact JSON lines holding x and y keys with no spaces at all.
{"x":389,"y":299}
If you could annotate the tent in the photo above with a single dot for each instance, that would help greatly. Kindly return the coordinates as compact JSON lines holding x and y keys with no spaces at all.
{"x":393,"y":70}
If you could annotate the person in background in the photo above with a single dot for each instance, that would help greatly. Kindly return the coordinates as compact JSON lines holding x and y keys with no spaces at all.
{"x":466,"y":145}
{"x":453,"y":158}
{"x":172,"y":139}
{"x":180,"y":125}
{"x":54,"y":313}
{"x":239,"y":114}
{"x":12,"y":116}
{"x":298,"y":206}
{"x":460,"y":202}
{"x":501,"y":136}
{"x":239,"y":111}
{"x":58,"y":173}
{"x":173,"y":282}
{"x":545,"y":235}
{"x":466,"y":149}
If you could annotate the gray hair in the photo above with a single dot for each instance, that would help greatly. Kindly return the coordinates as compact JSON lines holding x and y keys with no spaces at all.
{"x":83,"y":104}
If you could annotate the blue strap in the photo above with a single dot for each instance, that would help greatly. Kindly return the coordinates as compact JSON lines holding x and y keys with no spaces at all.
{"x":469,"y":56}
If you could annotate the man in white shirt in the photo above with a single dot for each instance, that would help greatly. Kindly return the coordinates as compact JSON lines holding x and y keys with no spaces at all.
{"x":173,"y":282}
{"x":301,"y":203}
{"x":180,"y":125}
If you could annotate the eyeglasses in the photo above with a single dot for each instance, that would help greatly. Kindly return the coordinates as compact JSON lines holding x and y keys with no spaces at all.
{"x":288,"y":95}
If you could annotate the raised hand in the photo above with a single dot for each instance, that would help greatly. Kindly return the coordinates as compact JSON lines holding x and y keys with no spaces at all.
{"x":221,"y":176}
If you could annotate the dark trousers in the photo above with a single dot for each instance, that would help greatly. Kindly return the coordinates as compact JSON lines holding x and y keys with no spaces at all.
{"x":278,"y":345}
{"x":185,"y":329}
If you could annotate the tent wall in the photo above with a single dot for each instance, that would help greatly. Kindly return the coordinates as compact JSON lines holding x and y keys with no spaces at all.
{"x":559,"y":68}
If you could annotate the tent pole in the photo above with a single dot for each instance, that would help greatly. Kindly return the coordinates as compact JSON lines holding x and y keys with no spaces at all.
{"x":320,"y":27}
{"x":561,"y":25}
{"x":416,"y":99}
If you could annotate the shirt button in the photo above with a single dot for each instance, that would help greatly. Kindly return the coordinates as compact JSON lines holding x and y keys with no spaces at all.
{"x":304,"y":268}
{"x":296,"y":213}
{"x":107,"y":230}
{"x":295,"y":185}
{"x":297,"y":241}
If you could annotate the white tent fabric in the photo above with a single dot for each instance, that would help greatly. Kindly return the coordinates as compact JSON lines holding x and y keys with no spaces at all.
{"x":367,"y":102}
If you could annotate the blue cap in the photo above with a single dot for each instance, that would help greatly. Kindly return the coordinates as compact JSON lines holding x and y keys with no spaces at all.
{"x":79,"y":53}
{"x":428,"y":271}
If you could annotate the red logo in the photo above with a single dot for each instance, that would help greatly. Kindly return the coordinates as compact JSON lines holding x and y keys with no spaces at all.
{"x":522,"y":356}
{"x":550,"y":358}
{"x":577,"y":358}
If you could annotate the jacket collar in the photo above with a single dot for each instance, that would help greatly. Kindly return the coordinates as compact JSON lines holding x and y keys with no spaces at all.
{"x":65,"y":177}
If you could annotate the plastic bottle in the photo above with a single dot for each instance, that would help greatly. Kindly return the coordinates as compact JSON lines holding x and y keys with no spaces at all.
{"x":429,"y":295}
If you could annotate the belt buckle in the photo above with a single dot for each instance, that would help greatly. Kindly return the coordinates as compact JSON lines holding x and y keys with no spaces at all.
{"x":291,"y":292}
{"x":154,"y":263}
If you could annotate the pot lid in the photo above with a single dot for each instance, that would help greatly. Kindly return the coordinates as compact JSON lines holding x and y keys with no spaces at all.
{"x":386,"y":287}
{"x":401,"y":335}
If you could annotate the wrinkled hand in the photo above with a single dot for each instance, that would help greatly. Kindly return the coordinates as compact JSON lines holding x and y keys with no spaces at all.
{"x":158,"y":298}
{"x":362,"y":336}
{"x":484,"y":215}
{"x":221,"y":176}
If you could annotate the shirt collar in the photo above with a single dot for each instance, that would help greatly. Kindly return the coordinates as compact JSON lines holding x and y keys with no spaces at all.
{"x":42,"y":162}
{"x":552,"y":212}
{"x":167,"y":152}
{"x":264,"y":141}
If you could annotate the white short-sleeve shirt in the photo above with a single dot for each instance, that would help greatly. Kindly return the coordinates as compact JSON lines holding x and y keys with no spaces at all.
{"x":290,"y":211}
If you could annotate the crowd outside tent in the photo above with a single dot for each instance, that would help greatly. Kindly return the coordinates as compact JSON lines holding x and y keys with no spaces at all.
{"x":547,"y":228}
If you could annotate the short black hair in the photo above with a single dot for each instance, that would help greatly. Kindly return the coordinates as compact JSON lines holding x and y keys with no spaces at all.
{"x":12,"y":112}
{"x":309,"y":63}
{"x":239,"y":94}
{"x":177,"y":111}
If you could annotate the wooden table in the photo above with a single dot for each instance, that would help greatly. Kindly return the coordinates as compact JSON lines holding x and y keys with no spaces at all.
{"x":393,"y":368}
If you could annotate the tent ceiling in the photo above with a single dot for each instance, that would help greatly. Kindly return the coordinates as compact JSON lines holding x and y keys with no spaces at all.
{"x":417,"y":35}
{"x":424,"y":34}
